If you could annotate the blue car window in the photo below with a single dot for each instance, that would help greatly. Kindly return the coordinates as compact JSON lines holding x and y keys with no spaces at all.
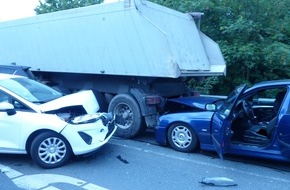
{"x":229,"y":102}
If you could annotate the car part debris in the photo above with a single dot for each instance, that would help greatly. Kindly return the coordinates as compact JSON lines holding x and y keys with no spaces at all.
{"x":218,"y":181}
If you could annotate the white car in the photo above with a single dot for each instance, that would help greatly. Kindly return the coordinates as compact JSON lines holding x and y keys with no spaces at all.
{"x":40,"y":121}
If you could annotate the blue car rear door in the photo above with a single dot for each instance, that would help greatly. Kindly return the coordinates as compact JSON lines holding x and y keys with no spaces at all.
{"x":222,"y":119}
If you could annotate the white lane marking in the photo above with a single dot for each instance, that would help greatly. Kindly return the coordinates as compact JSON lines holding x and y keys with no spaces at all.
{"x":44,"y":181}
{"x":199,"y":162}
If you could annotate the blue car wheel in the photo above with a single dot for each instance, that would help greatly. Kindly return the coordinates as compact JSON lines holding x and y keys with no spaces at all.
{"x":181,"y":137}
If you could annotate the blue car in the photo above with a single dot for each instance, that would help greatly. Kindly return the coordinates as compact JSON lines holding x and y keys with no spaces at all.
{"x":251,"y":121}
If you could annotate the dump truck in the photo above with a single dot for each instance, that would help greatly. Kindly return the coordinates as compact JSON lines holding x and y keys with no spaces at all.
{"x":134,"y":54}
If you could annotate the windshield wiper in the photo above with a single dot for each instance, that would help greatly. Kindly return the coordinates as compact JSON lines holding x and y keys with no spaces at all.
{"x":39,"y":102}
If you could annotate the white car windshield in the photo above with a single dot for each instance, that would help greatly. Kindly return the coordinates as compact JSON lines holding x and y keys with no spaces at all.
{"x":30,"y":90}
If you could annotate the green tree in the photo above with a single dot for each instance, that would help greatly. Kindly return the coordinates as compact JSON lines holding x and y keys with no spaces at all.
{"x":57,"y":5}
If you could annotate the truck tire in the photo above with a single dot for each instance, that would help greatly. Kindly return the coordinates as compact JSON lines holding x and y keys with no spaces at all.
{"x":128,"y":116}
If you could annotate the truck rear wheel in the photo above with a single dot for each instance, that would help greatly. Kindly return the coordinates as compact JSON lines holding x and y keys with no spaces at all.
{"x":128,"y":116}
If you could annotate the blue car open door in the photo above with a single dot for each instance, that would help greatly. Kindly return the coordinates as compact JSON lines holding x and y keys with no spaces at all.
{"x":283,"y":133}
{"x":222,"y":119}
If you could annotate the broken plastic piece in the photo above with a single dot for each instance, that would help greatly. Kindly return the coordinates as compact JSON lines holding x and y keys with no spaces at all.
{"x":218,"y":181}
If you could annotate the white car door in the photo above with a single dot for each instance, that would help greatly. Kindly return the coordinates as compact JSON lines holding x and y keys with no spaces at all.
{"x":10,"y":127}
{"x":12,"y":123}
{"x":10,"y":130}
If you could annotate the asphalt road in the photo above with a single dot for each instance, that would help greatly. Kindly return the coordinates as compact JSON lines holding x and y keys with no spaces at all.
{"x":142,"y":164}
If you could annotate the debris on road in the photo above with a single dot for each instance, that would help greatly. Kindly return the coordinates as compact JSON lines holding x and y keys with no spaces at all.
{"x":122,"y":160}
{"x":218,"y":181}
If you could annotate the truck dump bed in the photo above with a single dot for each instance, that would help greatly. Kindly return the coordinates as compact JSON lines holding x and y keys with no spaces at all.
{"x":130,"y":38}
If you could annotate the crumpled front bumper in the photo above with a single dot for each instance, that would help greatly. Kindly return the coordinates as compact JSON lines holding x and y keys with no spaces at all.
{"x":88,"y":137}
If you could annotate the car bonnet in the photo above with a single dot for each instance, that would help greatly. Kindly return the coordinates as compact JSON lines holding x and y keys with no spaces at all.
{"x":197,"y":102}
{"x":85,"y":98}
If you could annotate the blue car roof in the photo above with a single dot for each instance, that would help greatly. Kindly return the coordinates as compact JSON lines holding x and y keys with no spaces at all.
{"x":270,"y":83}
{"x":273,"y":82}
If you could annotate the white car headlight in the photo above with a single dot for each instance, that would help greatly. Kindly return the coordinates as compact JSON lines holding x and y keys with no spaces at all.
{"x":88,"y":118}
{"x":106,"y":118}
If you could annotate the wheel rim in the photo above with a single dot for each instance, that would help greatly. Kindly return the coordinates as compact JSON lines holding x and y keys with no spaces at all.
{"x":181,"y":136}
{"x":124,"y":116}
{"x":52,"y":150}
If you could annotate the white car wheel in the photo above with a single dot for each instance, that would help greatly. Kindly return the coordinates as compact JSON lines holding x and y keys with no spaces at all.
{"x":50,"y":150}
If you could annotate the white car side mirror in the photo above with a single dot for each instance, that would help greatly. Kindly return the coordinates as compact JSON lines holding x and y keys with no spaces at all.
{"x":7,"y":107}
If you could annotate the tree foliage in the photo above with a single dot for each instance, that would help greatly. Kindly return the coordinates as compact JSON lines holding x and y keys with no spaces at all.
{"x":254,"y":37}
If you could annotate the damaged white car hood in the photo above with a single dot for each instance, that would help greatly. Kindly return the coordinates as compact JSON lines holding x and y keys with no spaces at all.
{"x":85,"y":98}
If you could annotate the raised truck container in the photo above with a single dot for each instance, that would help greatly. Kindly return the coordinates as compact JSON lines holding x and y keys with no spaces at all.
{"x":133,"y":53}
